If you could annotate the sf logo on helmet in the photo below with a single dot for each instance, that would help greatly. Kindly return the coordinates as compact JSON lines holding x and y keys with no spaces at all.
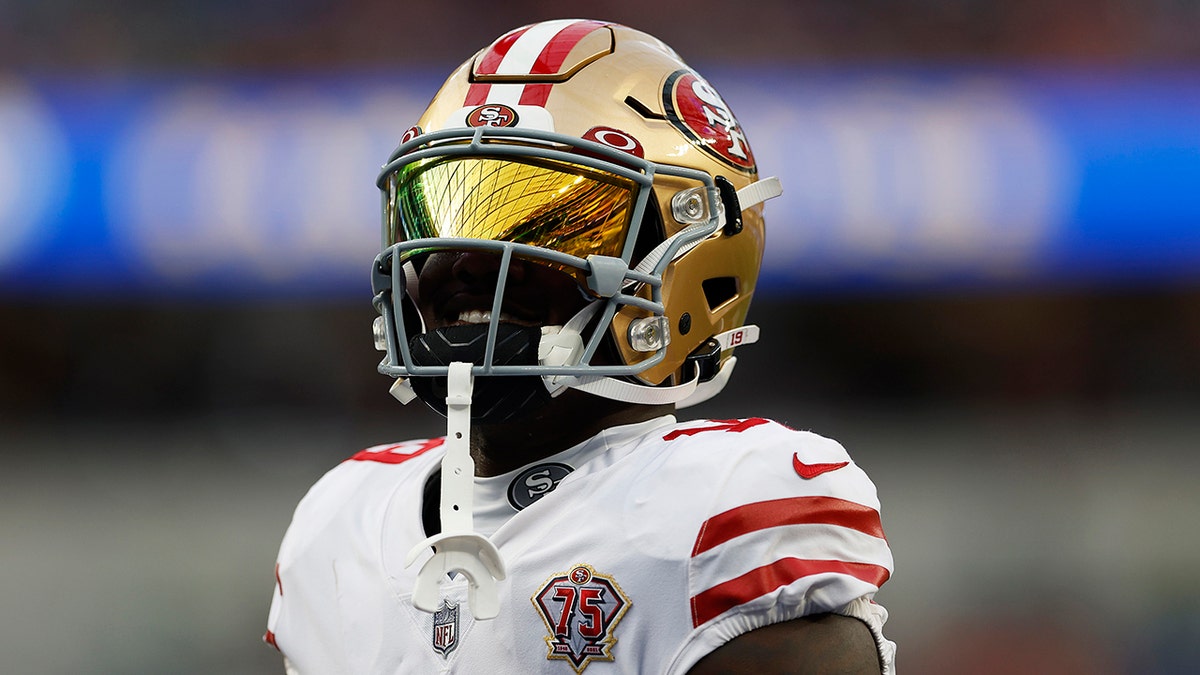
{"x":695,"y":108}
{"x":492,"y":115}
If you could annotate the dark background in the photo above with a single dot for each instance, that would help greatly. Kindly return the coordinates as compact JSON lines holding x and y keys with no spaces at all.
{"x":1034,"y":442}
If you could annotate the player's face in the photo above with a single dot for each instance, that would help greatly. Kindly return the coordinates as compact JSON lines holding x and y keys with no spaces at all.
{"x":457,"y":287}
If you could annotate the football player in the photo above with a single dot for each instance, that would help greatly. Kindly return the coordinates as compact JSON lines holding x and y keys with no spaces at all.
{"x":572,"y":234}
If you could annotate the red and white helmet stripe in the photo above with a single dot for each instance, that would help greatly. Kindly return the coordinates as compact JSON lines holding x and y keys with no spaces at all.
{"x":534,"y":50}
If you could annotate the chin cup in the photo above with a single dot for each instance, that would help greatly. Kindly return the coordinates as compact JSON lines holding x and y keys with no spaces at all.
{"x":495,"y":399}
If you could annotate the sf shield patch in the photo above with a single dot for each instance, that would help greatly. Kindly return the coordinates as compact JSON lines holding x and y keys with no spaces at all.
{"x":581,"y":608}
{"x":536,"y":482}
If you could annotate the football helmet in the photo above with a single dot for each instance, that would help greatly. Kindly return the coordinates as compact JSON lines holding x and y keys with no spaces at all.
{"x":592,"y":148}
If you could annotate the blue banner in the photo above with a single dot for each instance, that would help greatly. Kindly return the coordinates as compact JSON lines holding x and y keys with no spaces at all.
{"x":893,"y":179}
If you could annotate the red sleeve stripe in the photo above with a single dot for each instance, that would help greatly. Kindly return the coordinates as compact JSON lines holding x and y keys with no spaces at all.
{"x":723,"y":597}
{"x":388,"y":454}
{"x":792,"y":511}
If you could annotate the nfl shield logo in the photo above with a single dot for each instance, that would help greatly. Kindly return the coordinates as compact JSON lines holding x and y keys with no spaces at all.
{"x":445,"y":628}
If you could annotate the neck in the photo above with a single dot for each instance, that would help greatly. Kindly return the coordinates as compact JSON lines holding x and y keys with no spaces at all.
{"x":566,"y":421}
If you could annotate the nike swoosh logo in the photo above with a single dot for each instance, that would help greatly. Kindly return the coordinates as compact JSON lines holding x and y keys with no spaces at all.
{"x":808,"y":471}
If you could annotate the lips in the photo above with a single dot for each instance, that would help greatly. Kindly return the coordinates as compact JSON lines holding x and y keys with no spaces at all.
{"x":482,"y":316}
{"x":458,"y":289}
{"x":465,"y":309}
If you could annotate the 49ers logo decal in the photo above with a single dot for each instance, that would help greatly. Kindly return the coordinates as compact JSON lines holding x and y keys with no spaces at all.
{"x":492,"y":115}
{"x":581,"y":609}
{"x":695,"y":108}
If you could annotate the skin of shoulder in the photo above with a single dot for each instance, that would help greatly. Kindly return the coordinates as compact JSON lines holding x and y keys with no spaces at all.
{"x":822,"y":644}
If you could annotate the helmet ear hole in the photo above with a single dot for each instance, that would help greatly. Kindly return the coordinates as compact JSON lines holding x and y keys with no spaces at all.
{"x":719,"y":290}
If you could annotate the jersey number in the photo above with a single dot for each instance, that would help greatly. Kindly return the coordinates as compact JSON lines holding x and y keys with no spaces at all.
{"x":734,"y":426}
{"x":590,"y":600}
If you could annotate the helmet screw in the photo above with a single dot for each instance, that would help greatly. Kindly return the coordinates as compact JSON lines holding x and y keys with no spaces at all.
{"x":685,"y":323}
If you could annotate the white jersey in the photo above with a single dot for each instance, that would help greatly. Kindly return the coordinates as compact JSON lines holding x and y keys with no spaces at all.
{"x":639,"y":551}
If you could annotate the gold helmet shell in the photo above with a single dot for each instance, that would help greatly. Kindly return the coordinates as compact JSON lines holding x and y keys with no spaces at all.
{"x":628,"y":107}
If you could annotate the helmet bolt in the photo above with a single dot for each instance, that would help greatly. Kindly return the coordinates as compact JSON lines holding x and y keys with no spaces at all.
{"x":685,"y":323}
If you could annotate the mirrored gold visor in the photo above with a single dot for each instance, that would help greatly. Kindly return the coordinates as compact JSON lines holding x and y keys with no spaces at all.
{"x":565,"y":207}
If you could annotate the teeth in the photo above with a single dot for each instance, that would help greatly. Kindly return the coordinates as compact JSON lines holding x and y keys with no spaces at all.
{"x":480,"y":316}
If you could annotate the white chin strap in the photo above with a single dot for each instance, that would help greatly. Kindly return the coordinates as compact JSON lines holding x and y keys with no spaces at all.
{"x":458,"y":548}
{"x":759,"y":191}
{"x":567,"y":341}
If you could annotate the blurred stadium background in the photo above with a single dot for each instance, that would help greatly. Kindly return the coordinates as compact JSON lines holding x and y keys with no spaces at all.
{"x":983,"y":278}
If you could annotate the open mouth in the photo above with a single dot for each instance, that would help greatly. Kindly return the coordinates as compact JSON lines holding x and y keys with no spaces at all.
{"x":476,"y":316}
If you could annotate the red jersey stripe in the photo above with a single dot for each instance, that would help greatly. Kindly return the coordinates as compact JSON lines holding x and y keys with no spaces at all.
{"x":791,"y":511}
{"x":386,"y":456}
{"x":719,"y":599}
